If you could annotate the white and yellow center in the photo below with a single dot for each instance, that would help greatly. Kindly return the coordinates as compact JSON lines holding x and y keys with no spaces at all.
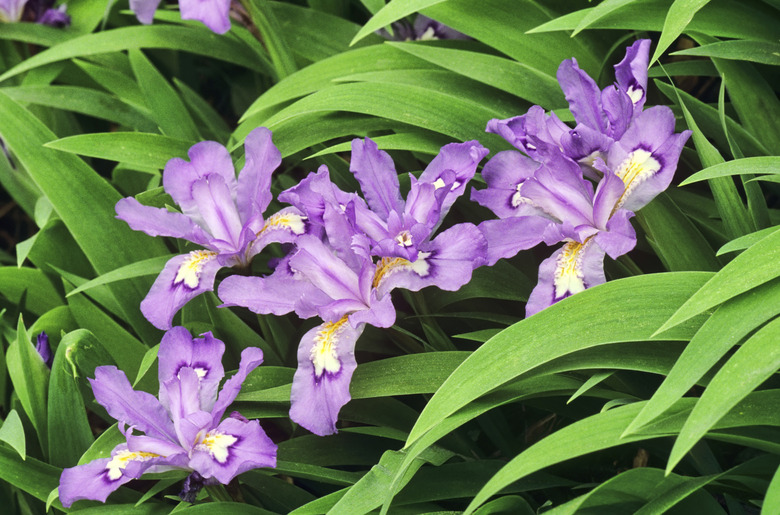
{"x":189,"y":271}
{"x":120,"y":460}
{"x":637,"y":167}
{"x":323,"y":353}
{"x":290,"y":221}
{"x":569,"y":277}
{"x":388,"y":266}
{"x":404,"y":239}
{"x":217,"y":445}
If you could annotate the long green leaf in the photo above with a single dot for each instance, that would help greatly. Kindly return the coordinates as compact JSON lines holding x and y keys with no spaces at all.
{"x":763,"y":52}
{"x":757,"y":265}
{"x":746,"y":166}
{"x":271,"y":32}
{"x":133,"y":148}
{"x":677,"y":19}
{"x":393,"y":11}
{"x":598,"y":12}
{"x":12,"y":433}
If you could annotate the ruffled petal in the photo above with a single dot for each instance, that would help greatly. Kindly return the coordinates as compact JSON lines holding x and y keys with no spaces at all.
{"x":159,"y":221}
{"x":583,"y":95}
{"x":462,"y":160}
{"x":619,"y":237}
{"x":507,"y":237}
{"x":375,"y":172}
{"x":213,"y":13}
{"x":505,"y":173}
{"x":183,"y":278}
{"x":326,"y":361}
{"x":276,"y":294}
{"x":218,"y":210}
{"x":631,"y":72}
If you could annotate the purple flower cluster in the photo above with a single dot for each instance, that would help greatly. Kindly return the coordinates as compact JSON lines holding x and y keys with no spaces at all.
{"x":183,"y":429}
{"x":579,"y":186}
{"x":214,"y":14}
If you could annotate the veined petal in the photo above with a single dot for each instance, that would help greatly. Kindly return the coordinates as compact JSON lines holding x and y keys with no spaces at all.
{"x":631,"y":72}
{"x":206,"y":158}
{"x":233,"y":447}
{"x":505,"y":238}
{"x":183,"y":278}
{"x":178,"y":349}
{"x":583,"y":95}
{"x":461,"y":159}
{"x":559,"y":190}
{"x":217,"y":209}
{"x":608,"y":192}
{"x":213,"y":13}
{"x":251,"y":357}
{"x":532,"y":132}
{"x":423,"y":204}
{"x":571,"y":269}
{"x":275,"y":294}
{"x":144,"y":10}
{"x":327,"y":272}
{"x":375,"y":172}
{"x":618,"y":109}
{"x":505,"y":173}
{"x":183,"y":397}
{"x":326,"y":361}
{"x":159,"y":221}
{"x":141,"y":410}
{"x":619,"y":236}
{"x":254,"y":181}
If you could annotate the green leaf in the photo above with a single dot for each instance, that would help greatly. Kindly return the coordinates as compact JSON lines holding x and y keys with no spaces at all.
{"x":12,"y":433}
{"x":271,"y":34}
{"x":393,"y":11}
{"x":734,"y":320}
{"x":216,"y":125}
{"x":746,"y":241}
{"x":146,"y":363}
{"x":82,"y":100}
{"x":757,"y":265}
{"x":745,"y":166}
{"x":753,"y":363}
{"x":193,"y":39}
{"x":677,"y":19}
{"x":627,"y":310}
{"x":151,"y":266}
{"x":164,"y":103}
{"x":69,"y":431}
{"x":772,"y":499}
{"x":30,"y":377}
{"x":764,"y":52}
{"x":39,"y":294}
{"x":133,"y":148}
{"x":30,"y":475}
{"x":598,"y":12}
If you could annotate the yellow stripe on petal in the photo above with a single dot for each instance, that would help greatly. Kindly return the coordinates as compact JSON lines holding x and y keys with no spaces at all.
{"x":291,"y":221}
{"x":323,"y":353}
{"x":569,"y":277}
{"x":638,"y":166}
{"x":120,"y":460}
{"x":388,"y":266}
{"x":217,"y":445}
{"x":190,"y":270}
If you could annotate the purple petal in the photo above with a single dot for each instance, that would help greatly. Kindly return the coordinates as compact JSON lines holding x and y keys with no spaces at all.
{"x":507,"y":237}
{"x":571,"y":269}
{"x":458,"y":158}
{"x":183,"y":278}
{"x":583,"y":95}
{"x":584,"y":143}
{"x":206,"y":158}
{"x":618,"y":109}
{"x":251,"y":357}
{"x":276,"y":294}
{"x":217,"y":209}
{"x":608,"y":193}
{"x":504,"y":174}
{"x":619,"y":237}
{"x":144,"y":10}
{"x":254,"y":181}
{"x":532,"y":132}
{"x":159,"y":221}
{"x":231,"y":448}
{"x":11,"y":10}
{"x":204,"y":355}
{"x":559,"y":190}
{"x":213,"y":13}
{"x":55,"y":17}
{"x":375,"y":171}
{"x":326,"y":361}
{"x":141,"y":410}
{"x":183,"y":398}
{"x":88,"y":481}
{"x":631,"y":72}
{"x":44,"y":349}
{"x":327,"y":272}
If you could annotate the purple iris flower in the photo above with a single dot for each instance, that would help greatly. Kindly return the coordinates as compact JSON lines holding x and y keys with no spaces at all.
{"x":11,"y":10}
{"x":365,"y":248}
{"x":44,"y":349}
{"x":183,"y":429}
{"x":54,"y":17}
{"x":630,"y":153}
{"x":214,"y":14}
{"x":423,"y":29}
{"x":219,"y":213}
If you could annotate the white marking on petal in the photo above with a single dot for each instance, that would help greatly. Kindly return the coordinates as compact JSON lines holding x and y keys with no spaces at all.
{"x":217,"y":445}
{"x":439,"y":183}
{"x":290,"y":221}
{"x":635,"y":94}
{"x":201,"y":372}
{"x":323,"y":353}
{"x":569,"y":277}
{"x":189,"y":271}
{"x":428,"y":35}
{"x":388,"y":266}
{"x":637,"y":167}
{"x":119,"y":461}
{"x":404,"y":239}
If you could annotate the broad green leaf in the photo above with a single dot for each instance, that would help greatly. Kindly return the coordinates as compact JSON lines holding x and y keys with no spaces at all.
{"x":103,"y":445}
{"x":69,"y":431}
{"x":196,"y":40}
{"x":753,"y":363}
{"x":216,"y":125}
{"x":746,"y":166}
{"x":734,"y":320}
{"x":507,"y":75}
{"x":763,"y":52}
{"x":116,"y":81}
{"x":134,"y":148}
{"x":12,"y":433}
{"x":746,"y":241}
{"x":85,"y":203}
{"x":271,"y":34}
{"x":164,"y":103}
{"x":315,"y":473}
{"x":421,"y":142}
{"x":35,"y":33}
{"x":30,"y":378}
{"x":32,"y":284}
{"x":677,"y":19}
{"x":30,"y":475}
{"x":626,"y":310}
{"x":757,"y":265}
{"x":598,"y":12}
{"x":138,"y":269}
{"x":393,"y":11}
{"x":772,"y":499}
{"x":82,"y":100}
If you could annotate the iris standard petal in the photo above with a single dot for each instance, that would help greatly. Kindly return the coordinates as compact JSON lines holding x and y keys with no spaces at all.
{"x":326,"y":361}
{"x":325,"y":271}
{"x":619,"y":237}
{"x":583,"y":95}
{"x":141,"y":410}
{"x":254,"y":181}
{"x":631,"y":72}
{"x":375,"y":172}
{"x":182,"y":279}
{"x":218,"y":210}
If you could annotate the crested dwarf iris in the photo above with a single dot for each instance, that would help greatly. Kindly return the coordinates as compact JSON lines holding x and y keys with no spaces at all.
{"x":214,"y":14}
